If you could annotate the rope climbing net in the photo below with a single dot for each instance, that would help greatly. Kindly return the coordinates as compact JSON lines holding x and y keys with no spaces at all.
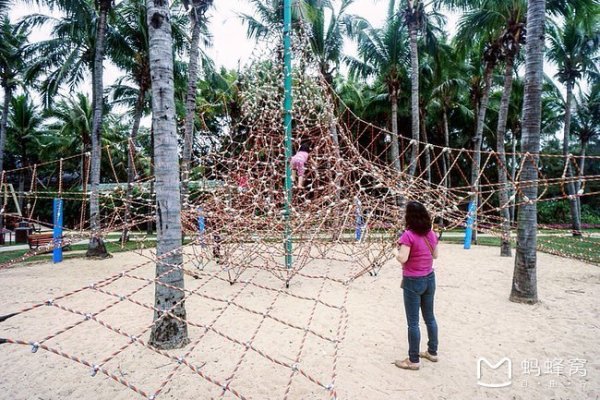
{"x":344,"y":221}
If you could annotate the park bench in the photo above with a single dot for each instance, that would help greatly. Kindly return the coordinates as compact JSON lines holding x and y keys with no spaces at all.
{"x":38,"y":240}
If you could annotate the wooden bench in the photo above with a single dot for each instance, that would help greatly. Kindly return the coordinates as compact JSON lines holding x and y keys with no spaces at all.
{"x":38,"y":240}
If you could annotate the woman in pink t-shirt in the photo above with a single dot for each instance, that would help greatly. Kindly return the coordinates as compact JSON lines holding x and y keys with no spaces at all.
{"x":298,"y":164}
{"x":417,"y":250}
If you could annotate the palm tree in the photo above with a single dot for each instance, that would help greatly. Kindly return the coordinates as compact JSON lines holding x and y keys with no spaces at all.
{"x":69,"y":130}
{"x":269,"y":14}
{"x":506,"y":21}
{"x":12,"y":42}
{"x":96,"y":246}
{"x":169,"y":329}
{"x":573,"y":49}
{"x":473,"y":27}
{"x":415,"y":15}
{"x":448,"y":81}
{"x":524,"y":284}
{"x":24,"y":128}
{"x":197,"y":16}
{"x":586,"y":125}
{"x":77,"y":42}
{"x":326,"y":42}
{"x":384,"y":55}
{"x":4,"y":7}
{"x":128,"y":46}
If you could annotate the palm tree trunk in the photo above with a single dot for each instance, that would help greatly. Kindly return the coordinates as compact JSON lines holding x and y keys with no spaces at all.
{"x":414,"y":95}
{"x":190,"y":105}
{"x":96,"y":247}
{"x":169,"y":330}
{"x":475,"y":168}
{"x":425,"y":140}
{"x":445,"y":159}
{"x":524,"y":284}
{"x":584,"y":144}
{"x":502,"y":173}
{"x":395,"y":150}
{"x":137,"y":116}
{"x":150,"y":224}
{"x":575,"y":217}
{"x":513,"y":174}
{"x":4,"y":121}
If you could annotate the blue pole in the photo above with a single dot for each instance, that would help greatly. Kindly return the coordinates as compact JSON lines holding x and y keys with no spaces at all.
{"x":201,"y":226}
{"x":470,"y":220}
{"x":57,"y":253}
{"x":359,"y":220}
{"x":287,"y":125}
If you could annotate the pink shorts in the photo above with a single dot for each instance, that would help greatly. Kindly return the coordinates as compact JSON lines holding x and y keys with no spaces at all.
{"x":298,"y":166}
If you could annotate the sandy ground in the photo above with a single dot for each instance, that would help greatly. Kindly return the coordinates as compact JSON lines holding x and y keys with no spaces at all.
{"x":553,"y":346}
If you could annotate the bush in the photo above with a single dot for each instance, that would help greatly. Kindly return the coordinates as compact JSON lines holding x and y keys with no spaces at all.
{"x":554,"y":212}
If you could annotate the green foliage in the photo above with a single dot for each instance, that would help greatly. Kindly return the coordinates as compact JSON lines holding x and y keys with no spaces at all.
{"x":553,"y":212}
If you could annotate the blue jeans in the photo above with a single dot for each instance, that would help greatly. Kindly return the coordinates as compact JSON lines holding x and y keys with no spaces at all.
{"x":419,"y":293}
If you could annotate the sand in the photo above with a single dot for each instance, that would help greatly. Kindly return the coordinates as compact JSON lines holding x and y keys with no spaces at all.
{"x":554,"y":346}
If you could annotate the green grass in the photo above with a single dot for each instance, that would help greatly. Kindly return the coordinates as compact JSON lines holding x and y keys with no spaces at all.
{"x":75,"y":252}
{"x":585,"y":249}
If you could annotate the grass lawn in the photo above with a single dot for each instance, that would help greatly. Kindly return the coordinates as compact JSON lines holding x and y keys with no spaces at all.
{"x":75,"y":252}
{"x":586,"y":249}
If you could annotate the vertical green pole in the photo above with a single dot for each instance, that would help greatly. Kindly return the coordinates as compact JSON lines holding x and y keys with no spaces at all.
{"x":287,"y":125}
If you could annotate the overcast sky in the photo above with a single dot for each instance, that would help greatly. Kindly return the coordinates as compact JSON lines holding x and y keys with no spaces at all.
{"x":230,"y":45}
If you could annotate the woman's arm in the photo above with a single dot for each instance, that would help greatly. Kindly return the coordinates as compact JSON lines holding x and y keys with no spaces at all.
{"x":402,"y":254}
{"x":435,"y":251}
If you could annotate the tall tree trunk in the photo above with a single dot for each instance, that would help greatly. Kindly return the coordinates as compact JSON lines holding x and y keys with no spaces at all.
{"x":584,"y":144}
{"x":445,"y":158}
{"x":502,"y":173}
{"x":575,"y":218}
{"x":414,"y":93}
{"x":524,"y":284}
{"x":190,"y":108}
{"x":395,"y":150}
{"x":425,"y":140}
{"x":169,"y":330}
{"x":4,"y":121}
{"x":96,"y":247}
{"x":477,"y":139}
{"x":137,"y":116}
{"x":150,"y":224}
{"x":513,"y":174}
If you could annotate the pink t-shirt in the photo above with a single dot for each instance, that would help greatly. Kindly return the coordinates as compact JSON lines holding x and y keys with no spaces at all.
{"x":300,"y":157}
{"x":420,"y":259}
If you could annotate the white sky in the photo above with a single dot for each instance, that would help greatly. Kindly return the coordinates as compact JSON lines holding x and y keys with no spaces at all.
{"x":230,"y":45}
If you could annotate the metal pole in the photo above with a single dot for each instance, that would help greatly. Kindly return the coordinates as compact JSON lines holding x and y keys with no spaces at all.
{"x":287,"y":126}
{"x":57,"y":253}
{"x":469,"y":227}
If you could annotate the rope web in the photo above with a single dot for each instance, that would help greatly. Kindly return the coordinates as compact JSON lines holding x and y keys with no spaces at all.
{"x":344,"y":222}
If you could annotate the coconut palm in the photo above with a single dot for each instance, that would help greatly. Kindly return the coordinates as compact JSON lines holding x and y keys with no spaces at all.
{"x":473,"y":29}
{"x":4,"y":7}
{"x":574,"y":49}
{"x":128,"y":48}
{"x":586,"y":125}
{"x":13,"y":40}
{"x":78,"y":41}
{"x":197,"y":16}
{"x":268,"y":17}
{"x":506,"y":23}
{"x":418,"y":20}
{"x":524,"y":284}
{"x":383,"y":54}
{"x":169,"y":329}
{"x":96,"y":246}
{"x":448,"y":81}
{"x":24,"y":128}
